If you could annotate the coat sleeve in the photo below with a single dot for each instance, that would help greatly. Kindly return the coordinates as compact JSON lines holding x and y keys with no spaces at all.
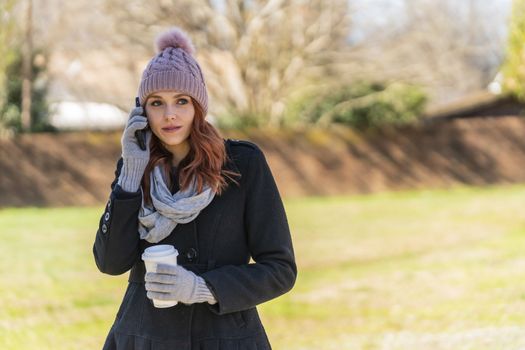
{"x":274,"y":272}
{"x":116,"y":246}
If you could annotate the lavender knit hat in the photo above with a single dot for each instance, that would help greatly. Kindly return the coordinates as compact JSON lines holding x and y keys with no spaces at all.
{"x":174,"y":67}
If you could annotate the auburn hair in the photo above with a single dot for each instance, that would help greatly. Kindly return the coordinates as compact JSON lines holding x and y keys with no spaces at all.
{"x":203,"y":162}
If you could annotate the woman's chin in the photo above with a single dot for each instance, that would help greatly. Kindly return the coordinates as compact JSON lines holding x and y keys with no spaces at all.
{"x":169,"y":142}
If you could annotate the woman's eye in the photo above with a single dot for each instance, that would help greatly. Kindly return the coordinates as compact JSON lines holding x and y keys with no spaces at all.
{"x":155,"y":103}
{"x":182,"y":101}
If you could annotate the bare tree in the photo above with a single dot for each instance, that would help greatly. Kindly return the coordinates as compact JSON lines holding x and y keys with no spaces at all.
{"x":27,"y":76}
{"x":254,"y":53}
{"x":257,"y":54}
{"x":447,"y":46}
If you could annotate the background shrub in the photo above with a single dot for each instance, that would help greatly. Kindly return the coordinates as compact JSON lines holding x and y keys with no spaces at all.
{"x":362,"y":105}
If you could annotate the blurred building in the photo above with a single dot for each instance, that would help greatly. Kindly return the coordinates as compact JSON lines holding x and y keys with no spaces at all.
{"x":86,"y":116}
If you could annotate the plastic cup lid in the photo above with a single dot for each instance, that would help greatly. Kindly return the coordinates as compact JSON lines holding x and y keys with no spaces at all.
{"x":159,"y":250}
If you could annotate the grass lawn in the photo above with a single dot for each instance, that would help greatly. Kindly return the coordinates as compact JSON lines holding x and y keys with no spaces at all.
{"x":408,"y":270}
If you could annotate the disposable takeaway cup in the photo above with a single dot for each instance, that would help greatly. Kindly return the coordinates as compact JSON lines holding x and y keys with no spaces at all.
{"x":160,"y":254}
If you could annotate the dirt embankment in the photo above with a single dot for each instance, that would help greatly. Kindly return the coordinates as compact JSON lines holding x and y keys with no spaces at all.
{"x":77,"y":168}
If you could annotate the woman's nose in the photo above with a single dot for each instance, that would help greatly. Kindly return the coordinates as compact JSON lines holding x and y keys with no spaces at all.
{"x":170,"y":113}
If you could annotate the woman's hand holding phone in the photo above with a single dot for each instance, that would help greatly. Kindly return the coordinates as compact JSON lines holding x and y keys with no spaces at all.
{"x":140,"y":135}
{"x":135,"y":153}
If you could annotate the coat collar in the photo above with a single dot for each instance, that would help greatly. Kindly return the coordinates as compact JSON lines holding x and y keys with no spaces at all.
{"x":230,"y":164}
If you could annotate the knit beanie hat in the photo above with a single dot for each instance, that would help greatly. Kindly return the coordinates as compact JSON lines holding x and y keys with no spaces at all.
{"x":174,"y":67}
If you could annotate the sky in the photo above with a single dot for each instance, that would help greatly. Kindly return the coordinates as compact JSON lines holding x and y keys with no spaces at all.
{"x":371,"y":17}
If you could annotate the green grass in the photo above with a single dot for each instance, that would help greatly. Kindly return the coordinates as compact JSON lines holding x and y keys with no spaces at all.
{"x":408,"y":270}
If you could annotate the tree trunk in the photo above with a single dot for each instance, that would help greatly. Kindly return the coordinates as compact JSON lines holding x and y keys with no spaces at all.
{"x":27,"y":81}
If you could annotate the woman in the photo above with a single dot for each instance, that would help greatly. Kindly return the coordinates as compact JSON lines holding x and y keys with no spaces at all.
{"x":215,"y":200}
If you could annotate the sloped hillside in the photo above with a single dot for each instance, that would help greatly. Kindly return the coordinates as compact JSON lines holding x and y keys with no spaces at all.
{"x":77,"y":168}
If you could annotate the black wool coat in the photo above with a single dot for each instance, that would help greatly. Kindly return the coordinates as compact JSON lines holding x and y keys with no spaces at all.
{"x":246,"y":221}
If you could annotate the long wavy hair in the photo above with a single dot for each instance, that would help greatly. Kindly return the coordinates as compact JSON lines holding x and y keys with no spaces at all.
{"x":203,"y":162}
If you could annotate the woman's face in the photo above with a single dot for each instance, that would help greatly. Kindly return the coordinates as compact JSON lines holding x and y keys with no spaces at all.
{"x":170,"y":116}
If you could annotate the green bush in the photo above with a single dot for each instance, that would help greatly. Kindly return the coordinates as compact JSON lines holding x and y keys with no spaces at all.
{"x":361,"y":105}
{"x":237,"y":121}
{"x":513,"y":68}
{"x":10,"y":112}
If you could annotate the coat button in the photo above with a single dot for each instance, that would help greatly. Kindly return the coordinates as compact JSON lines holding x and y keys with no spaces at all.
{"x":104,"y":228}
{"x":191,"y":254}
{"x":106,"y":216}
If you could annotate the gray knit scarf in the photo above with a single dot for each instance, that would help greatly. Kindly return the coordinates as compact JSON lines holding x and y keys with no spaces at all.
{"x":156,"y":222}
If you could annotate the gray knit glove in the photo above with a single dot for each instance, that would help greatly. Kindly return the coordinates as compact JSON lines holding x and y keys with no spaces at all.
{"x":134,"y":158}
{"x":177,"y":284}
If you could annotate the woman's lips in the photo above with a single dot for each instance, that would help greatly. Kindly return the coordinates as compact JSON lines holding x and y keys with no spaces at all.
{"x":171,"y":128}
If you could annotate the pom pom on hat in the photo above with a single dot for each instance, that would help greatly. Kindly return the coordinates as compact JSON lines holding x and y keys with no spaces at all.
{"x":174,"y":37}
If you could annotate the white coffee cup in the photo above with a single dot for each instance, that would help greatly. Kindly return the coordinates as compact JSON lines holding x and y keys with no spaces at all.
{"x":160,"y":254}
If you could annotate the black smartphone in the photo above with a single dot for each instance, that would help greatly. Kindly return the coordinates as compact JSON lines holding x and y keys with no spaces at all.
{"x":141,"y":134}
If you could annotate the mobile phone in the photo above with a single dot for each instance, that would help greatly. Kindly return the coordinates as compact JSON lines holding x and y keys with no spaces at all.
{"x":140,"y":135}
